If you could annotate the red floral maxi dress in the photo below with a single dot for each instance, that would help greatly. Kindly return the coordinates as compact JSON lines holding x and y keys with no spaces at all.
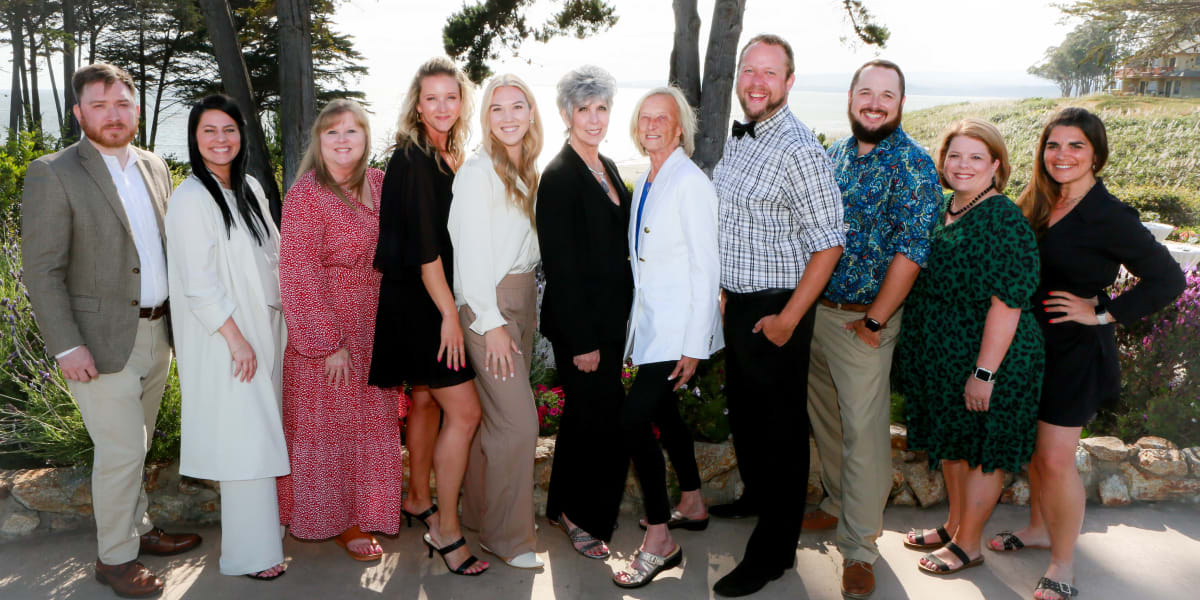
{"x":344,"y":444}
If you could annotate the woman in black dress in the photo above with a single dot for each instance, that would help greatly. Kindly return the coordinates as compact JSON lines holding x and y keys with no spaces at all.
{"x":418,"y":339}
{"x":1085,"y":235}
{"x":582,"y":217}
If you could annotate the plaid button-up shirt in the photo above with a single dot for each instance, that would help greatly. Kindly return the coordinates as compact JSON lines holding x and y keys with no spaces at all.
{"x":779,"y":203}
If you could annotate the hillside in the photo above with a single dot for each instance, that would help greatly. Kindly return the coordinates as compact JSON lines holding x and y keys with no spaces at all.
{"x":1154,"y":144}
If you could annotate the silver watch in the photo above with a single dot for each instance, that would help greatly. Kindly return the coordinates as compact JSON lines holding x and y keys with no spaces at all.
{"x":1102,"y":315}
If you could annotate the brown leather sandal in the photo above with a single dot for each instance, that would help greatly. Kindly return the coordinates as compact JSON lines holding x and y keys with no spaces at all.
{"x":352,"y":534}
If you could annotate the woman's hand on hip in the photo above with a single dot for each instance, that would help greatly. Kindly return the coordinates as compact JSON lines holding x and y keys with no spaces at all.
{"x":977,"y":394}
{"x":1072,"y":308}
{"x":684,"y":369}
{"x":337,"y":368}
{"x":499,"y":359}
{"x":587,"y":363}
{"x":452,"y":344}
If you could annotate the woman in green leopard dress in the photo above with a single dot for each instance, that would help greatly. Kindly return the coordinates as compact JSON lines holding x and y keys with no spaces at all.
{"x":970,"y":356}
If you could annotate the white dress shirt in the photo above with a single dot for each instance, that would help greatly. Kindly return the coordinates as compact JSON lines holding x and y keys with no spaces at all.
{"x":144,"y":226}
{"x":491,"y":238}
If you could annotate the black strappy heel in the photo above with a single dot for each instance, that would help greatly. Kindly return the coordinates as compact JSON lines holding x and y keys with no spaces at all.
{"x":462,"y":568}
{"x":423,"y":517}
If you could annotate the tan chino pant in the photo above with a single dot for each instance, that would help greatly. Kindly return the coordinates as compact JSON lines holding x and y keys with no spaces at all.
{"x":119,"y":410}
{"x":498,"y":487}
{"x":849,"y":401}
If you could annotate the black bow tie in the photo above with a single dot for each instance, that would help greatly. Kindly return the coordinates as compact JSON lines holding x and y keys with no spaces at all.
{"x":741,"y":129}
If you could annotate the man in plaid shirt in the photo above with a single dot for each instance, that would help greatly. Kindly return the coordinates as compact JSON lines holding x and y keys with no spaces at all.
{"x":781,"y":234}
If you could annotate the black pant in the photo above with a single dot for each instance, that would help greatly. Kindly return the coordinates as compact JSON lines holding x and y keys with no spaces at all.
{"x":587,"y":479}
{"x":767,"y":391}
{"x":651,"y":400}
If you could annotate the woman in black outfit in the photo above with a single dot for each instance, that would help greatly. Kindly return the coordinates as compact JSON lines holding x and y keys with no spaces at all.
{"x":582,"y":216}
{"x":1085,"y":235}
{"x":418,"y":339}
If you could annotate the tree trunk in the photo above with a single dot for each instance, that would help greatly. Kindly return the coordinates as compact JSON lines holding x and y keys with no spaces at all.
{"x":236,"y":80}
{"x":720,"y":61}
{"x":18,"y":42}
{"x":295,"y":83}
{"x":54,"y":87}
{"x":70,"y":125}
{"x":685,"y":53}
{"x":168,"y":53}
{"x":14,"y":98}
{"x":35,"y":119}
{"x":142,"y":76}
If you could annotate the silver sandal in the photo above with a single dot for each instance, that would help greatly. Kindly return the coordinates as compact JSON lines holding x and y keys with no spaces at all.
{"x":645,"y":567}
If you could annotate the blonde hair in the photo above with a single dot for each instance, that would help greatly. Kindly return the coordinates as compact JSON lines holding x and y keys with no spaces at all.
{"x":312,"y":157}
{"x":985,"y":132}
{"x":687,"y":118}
{"x":531,"y":146}
{"x":410,"y":131}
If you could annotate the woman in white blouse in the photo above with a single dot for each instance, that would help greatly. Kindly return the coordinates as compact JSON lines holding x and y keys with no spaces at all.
{"x":223,"y":272}
{"x":495,"y":253}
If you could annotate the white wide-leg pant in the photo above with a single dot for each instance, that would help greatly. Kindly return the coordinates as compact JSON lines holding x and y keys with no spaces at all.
{"x":251,"y":538}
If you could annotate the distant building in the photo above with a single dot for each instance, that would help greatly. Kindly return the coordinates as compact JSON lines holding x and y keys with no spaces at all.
{"x":1175,"y":75}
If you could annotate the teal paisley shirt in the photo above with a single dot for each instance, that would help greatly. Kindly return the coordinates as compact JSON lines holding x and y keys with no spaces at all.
{"x":890,"y":197}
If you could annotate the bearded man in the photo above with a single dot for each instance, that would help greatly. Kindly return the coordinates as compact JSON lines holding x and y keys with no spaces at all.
{"x":890,"y":198}
{"x":95,"y":266}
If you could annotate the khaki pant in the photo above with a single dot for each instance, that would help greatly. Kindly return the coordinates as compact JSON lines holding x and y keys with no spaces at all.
{"x":849,"y":401}
{"x":498,"y":486}
{"x":119,"y":410}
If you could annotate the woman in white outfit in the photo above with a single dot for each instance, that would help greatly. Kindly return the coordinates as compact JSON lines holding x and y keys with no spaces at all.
{"x":223,"y":271}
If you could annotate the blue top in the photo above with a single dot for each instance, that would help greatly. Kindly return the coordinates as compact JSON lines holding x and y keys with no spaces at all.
{"x":891,"y":197}
{"x":637,"y":237}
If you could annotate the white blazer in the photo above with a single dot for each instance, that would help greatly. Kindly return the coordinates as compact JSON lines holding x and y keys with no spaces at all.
{"x":231,"y":430}
{"x":676,"y":271}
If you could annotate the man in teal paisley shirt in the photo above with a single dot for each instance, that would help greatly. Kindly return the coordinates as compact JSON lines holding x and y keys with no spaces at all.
{"x":890,"y":196}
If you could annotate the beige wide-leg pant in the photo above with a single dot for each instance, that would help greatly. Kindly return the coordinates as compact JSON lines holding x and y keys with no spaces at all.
{"x":498,"y":487}
{"x":251,"y":538}
{"x":119,"y":410}
{"x":849,"y":401}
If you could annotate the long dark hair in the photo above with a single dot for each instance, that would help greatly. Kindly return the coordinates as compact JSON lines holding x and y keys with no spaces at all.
{"x":247,"y":204}
{"x":1043,"y":191}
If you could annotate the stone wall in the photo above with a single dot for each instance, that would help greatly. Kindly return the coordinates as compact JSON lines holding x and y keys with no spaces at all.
{"x":1114,"y":474}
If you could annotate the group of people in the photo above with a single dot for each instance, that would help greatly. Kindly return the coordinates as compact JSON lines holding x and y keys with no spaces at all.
{"x":294,"y":342}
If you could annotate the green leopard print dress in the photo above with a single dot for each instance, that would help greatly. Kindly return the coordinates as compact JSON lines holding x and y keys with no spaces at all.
{"x":990,"y":251}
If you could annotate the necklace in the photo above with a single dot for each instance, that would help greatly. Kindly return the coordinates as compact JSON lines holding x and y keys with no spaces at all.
{"x":1073,"y":201}
{"x":598,"y":174}
{"x":954,"y":213}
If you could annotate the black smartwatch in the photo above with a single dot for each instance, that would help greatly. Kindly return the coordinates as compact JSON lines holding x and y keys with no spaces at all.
{"x":871,"y":324}
{"x":985,"y":375}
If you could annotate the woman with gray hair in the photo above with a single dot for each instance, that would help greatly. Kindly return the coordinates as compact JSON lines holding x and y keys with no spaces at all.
{"x":675,"y":322}
{"x":582,"y":216}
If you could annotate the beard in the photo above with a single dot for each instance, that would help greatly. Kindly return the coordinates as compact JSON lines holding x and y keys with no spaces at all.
{"x":769,"y":109}
{"x":108,"y":138}
{"x":873,"y":136}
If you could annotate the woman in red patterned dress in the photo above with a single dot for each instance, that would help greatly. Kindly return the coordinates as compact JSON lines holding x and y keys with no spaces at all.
{"x":343,"y":436}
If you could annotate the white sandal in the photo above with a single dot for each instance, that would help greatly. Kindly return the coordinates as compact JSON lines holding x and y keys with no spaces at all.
{"x":527,"y":560}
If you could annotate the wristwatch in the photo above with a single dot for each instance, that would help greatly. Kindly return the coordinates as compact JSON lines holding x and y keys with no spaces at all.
{"x":985,"y":375}
{"x":871,"y":324}
{"x":1102,"y":315}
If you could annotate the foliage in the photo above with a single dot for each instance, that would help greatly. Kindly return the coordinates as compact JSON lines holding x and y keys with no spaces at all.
{"x":1154,"y":143}
{"x":1083,"y":62}
{"x":868,"y":30}
{"x":1146,"y":27}
{"x":38,"y":418}
{"x":21,"y":149}
{"x":478,"y":32}
{"x":550,"y":403}
{"x":1160,"y":375}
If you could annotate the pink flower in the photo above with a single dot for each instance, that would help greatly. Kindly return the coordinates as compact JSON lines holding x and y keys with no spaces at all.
{"x":554,"y":412}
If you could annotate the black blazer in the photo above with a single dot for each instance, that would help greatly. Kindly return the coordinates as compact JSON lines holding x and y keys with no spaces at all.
{"x":585,"y":255}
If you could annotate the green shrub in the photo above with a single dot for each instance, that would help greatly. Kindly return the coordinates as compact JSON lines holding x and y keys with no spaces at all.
{"x":1174,"y":207}
{"x":15,"y":155}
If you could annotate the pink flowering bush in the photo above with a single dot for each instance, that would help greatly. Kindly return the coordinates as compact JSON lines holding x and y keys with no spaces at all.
{"x":550,"y":402}
{"x":1160,"y":373}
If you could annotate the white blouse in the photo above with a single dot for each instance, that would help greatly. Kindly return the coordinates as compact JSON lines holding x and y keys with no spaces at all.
{"x":492,"y":238}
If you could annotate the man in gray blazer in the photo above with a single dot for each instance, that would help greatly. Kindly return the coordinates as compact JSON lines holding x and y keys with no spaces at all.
{"x":95,"y":267}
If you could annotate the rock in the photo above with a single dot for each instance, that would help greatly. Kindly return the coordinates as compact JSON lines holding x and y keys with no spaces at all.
{"x":714,"y":459}
{"x":81,"y":499}
{"x":39,"y":489}
{"x":1107,"y":448}
{"x":1085,"y":463}
{"x":928,"y":486}
{"x":1164,"y":463}
{"x":816,"y":491}
{"x":539,"y":502}
{"x":5,"y":489}
{"x":1153,"y":442}
{"x":1113,"y":491}
{"x":168,"y":509}
{"x":19,"y":523}
{"x":904,"y":498}
{"x":897,"y":480}
{"x":1017,"y":493}
{"x":162,"y":476}
{"x":541,"y":474}
{"x":1191,"y":454}
{"x":899,"y":437}
{"x":63,"y":521}
{"x":544,"y":450}
{"x":1150,"y":488}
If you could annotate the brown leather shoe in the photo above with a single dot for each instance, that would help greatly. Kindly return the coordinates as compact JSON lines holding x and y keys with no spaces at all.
{"x":129,"y":580}
{"x":161,"y":543}
{"x":858,"y":579}
{"x":819,"y":519}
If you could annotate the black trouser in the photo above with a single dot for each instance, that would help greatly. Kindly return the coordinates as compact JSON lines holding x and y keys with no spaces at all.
{"x":587,"y":479}
{"x":651,"y":400}
{"x":767,"y":392}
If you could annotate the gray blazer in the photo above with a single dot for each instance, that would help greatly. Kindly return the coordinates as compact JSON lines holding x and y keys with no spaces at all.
{"x":81,"y":265}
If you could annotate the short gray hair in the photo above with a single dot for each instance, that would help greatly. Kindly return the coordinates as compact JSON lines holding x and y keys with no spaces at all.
{"x":585,"y":83}
{"x":687,"y":118}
